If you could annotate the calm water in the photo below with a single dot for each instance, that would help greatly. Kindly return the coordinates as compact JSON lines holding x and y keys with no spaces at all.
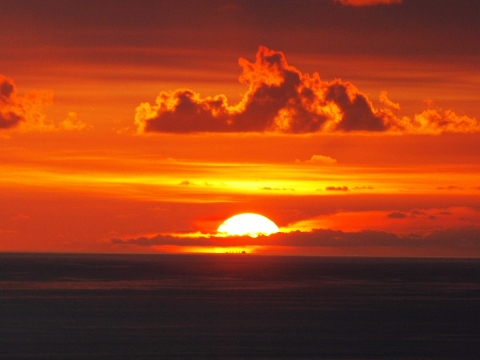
{"x":56,"y":306}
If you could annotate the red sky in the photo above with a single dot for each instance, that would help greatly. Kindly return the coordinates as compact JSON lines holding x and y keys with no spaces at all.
{"x":140,"y":126}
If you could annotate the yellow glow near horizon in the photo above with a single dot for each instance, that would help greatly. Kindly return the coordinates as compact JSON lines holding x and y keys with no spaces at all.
{"x":247,"y":224}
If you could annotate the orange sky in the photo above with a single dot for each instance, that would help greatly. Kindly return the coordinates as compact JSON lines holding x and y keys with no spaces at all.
{"x":353,"y":125}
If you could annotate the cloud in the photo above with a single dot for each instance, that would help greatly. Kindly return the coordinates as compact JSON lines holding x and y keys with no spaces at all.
{"x":464,"y":238}
{"x":277,"y":189}
{"x":72,"y":123}
{"x":11,"y":110}
{"x":368,"y":2}
{"x":323,"y":160}
{"x":27,"y":113}
{"x":281,"y":99}
{"x":23,"y":112}
{"x":336,"y":188}
{"x":398,"y":222}
{"x":416,"y":212}
{"x":438,"y":120}
{"x":383,"y":98}
{"x":396,"y":215}
{"x":450,"y":187}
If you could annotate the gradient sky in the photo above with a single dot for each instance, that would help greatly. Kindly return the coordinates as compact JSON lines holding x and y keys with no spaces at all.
{"x":140,"y":126}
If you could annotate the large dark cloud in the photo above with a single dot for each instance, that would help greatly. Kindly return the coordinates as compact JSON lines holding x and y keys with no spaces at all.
{"x":281,"y":99}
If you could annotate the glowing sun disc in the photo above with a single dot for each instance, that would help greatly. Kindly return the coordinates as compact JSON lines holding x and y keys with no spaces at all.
{"x":248,"y":224}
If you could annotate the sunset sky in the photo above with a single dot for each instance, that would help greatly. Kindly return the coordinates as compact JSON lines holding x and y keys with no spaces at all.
{"x":140,"y":126}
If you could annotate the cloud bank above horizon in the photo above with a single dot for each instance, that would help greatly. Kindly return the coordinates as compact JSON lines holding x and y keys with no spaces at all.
{"x":280,"y":99}
{"x":447,"y":230}
{"x":463,"y":241}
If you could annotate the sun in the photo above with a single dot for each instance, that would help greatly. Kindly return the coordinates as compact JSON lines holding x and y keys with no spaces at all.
{"x":248,"y":224}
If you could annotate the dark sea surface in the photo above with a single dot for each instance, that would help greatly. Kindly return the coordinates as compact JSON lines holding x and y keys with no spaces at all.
{"x":76,"y":306}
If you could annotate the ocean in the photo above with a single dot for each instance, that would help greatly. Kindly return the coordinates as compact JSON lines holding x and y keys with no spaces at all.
{"x":237,"y":306}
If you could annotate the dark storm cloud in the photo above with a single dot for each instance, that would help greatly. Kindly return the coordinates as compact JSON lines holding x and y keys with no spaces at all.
{"x":283,"y":100}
